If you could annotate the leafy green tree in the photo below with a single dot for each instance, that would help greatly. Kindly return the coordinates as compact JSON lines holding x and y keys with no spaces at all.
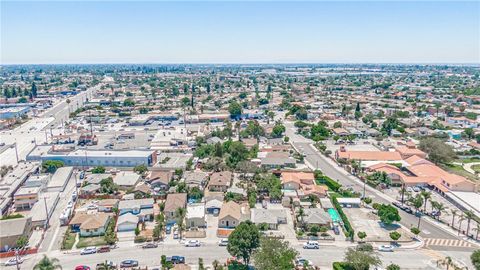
{"x":47,"y":264}
{"x":388,"y":214}
{"x":128,"y":102}
{"x":395,"y":236}
{"x":393,"y":267}
{"x":98,"y":170}
{"x":274,"y":254}
{"x":235,"y":109}
{"x":437,"y":150}
{"x":361,"y":260}
{"x":244,"y":240}
{"x":34,"y":90}
{"x":278,"y":130}
{"x":475,"y":258}
{"x":140,"y":169}
{"x":361,"y":235}
{"x":107,"y":186}
{"x":21,"y":242}
{"x":51,"y":166}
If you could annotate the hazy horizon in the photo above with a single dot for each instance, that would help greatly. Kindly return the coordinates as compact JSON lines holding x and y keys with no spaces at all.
{"x":240,"y":32}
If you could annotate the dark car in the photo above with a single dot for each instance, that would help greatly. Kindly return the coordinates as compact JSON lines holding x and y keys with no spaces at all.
{"x":129,"y":263}
{"x":150,"y":245}
{"x":103,"y":249}
{"x":176,"y":259}
{"x":408,"y":210}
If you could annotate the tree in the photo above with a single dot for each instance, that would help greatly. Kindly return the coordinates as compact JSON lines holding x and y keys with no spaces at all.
{"x":361,"y":235}
{"x":235,"y":109}
{"x":469,"y":215}
{"x":128,"y":102}
{"x":395,"y":236}
{"x":244,"y":240}
{"x":475,"y":258}
{"x":51,"y":166}
{"x":388,"y":214}
{"x":415,"y":231}
{"x":137,"y":231}
{"x":98,"y":170}
{"x":274,"y":254}
{"x":361,"y":260}
{"x":438,"y":151}
{"x":390,"y":124}
{"x":393,"y":267}
{"x":21,"y":242}
{"x":426,"y":195}
{"x":417,"y":203}
{"x":33,"y":91}
{"x":180,"y":216}
{"x":278,"y":130}
{"x":47,"y":264}
{"x":140,"y":169}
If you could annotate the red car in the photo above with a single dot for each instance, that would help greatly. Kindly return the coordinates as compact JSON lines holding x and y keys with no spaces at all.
{"x":82,"y":267}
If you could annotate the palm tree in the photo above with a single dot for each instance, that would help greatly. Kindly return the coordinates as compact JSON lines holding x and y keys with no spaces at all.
{"x":180,"y":215}
{"x":426,"y":195}
{"x":300,"y":215}
{"x":402,"y":192}
{"x":447,"y":261}
{"x":47,"y":264}
{"x":440,"y":207}
{"x":477,"y":229}
{"x":461,"y":218}
{"x":469,"y":215}
{"x":454,"y":213}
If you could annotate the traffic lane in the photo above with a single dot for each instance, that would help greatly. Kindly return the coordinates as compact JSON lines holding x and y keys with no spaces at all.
{"x":408,"y":220}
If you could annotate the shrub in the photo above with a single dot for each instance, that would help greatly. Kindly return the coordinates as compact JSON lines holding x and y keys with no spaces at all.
{"x":329,"y":182}
{"x":346,"y":223}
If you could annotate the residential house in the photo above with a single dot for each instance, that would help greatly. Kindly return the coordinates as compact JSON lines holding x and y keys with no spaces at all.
{"x":126,"y":179}
{"x":271,"y":217}
{"x":90,"y":224}
{"x":142,"y":208}
{"x":276,"y":160}
{"x":316,"y":216}
{"x":195,"y":217}
{"x":220,"y":181}
{"x":172,"y":203}
{"x":232,"y":213}
{"x":107,"y":205}
{"x":195,"y":178}
{"x":213,"y":206}
{"x":127,"y":222}
{"x":12,"y":230}
{"x":160,"y":179}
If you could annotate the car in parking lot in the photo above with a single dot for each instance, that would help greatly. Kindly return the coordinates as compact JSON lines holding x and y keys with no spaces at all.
{"x":13,"y":261}
{"x":311,"y":245}
{"x":88,"y":250}
{"x":82,"y":267}
{"x":176,"y":259}
{"x":103,"y":249}
{"x":150,"y":245}
{"x":385,"y":248}
{"x":223,"y":242}
{"x":106,"y":265}
{"x":129,"y":263}
{"x":192,"y":243}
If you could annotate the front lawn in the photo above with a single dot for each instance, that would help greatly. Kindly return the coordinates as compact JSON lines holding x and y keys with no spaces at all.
{"x":68,"y":240}
{"x":91,"y":241}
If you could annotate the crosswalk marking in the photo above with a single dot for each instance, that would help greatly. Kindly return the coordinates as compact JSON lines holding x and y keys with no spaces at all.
{"x":446,"y":242}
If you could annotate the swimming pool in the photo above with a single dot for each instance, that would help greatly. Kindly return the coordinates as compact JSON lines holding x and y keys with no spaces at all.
{"x":334,"y":215}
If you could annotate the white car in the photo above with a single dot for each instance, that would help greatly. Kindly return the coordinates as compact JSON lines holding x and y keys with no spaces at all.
{"x":301,"y":262}
{"x":13,"y":261}
{"x":192,"y":243}
{"x":311,"y":245}
{"x":385,"y":248}
{"x":88,"y":250}
{"x":223,"y":242}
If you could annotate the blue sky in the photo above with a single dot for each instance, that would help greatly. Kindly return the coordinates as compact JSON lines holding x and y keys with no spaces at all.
{"x":240,"y":32}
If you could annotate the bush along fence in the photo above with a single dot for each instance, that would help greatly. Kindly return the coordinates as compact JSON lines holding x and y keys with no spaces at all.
{"x":349,"y":232}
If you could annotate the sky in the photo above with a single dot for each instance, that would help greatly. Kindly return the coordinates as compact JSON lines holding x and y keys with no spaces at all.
{"x":42,"y":32}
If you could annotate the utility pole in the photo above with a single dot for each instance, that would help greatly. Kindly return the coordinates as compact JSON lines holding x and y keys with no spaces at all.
{"x":46,"y":212}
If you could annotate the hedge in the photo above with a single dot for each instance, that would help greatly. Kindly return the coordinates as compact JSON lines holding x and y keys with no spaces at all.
{"x":331,"y":184}
{"x":341,"y":266}
{"x":348,"y":227}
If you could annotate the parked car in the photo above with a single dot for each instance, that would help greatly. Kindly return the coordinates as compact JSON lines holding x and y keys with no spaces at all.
{"x":311,"y":245}
{"x":192,"y":243}
{"x":13,"y":261}
{"x":150,"y":245}
{"x":176,"y":259}
{"x":88,"y":250}
{"x":103,"y":249}
{"x":223,"y":242}
{"x":129,"y":263}
{"x":168,"y":229}
{"x":385,"y":248}
{"x":82,"y":267}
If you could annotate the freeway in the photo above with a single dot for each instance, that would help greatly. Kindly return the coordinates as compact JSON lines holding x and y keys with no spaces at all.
{"x":317,"y":161}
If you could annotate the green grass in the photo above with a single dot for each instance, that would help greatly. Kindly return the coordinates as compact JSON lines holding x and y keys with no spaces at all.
{"x":467,"y":160}
{"x":458,"y":169}
{"x":68,"y":240}
{"x":91,"y":241}
{"x":476,"y":168}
